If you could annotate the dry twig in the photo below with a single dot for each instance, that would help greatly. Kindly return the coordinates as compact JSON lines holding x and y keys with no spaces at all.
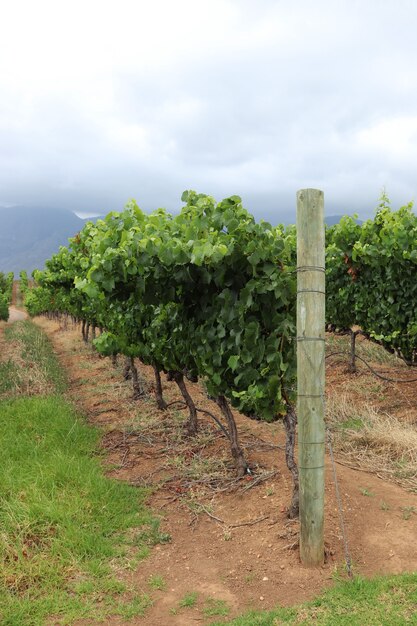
{"x":250,"y":522}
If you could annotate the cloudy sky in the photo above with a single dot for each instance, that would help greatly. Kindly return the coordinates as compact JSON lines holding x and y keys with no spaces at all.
{"x":105,"y":100}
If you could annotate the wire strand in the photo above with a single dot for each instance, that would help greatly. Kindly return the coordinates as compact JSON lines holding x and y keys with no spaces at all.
{"x":348,"y":559}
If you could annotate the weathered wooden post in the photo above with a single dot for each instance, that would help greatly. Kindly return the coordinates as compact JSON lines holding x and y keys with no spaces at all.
{"x":310,"y":371}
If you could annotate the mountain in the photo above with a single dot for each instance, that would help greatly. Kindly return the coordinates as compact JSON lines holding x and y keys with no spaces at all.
{"x":330,"y":220}
{"x":92,"y":219}
{"x":30,"y":236}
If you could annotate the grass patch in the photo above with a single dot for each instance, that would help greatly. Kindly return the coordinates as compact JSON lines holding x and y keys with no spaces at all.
{"x":9,"y":377}
{"x":66,"y":530}
{"x":214,"y":607}
{"x":373,"y":440}
{"x":135,"y":608}
{"x":62,"y":521}
{"x":377,"y":602}
{"x":33,"y":367}
{"x":157,"y":582}
{"x":368,"y":350}
{"x":152,"y":535}
{"x":352,"y":423}
{"x":189,"y":600}
{"x":407,"y":511}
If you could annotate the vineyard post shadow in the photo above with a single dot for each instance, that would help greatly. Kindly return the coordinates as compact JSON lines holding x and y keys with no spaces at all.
{"x":310,"y":372}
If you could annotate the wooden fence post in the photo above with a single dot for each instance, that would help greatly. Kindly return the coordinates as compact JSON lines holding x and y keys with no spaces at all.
{"x":310,"y":372}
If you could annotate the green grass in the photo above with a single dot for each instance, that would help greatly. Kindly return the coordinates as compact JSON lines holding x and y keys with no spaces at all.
{"x":408,"y":511}
{"x":214,"y":607}
{"x":353,"y":423}
{"x":9,"y":377}
{"x":152,"y":535}
{"x":157,"y":582}
{"x":66,"y":530}
{"x":189,"y":600}
{"x":368,"y":350}
{"x":378,"y":602}
{"x":61,"y":519}
{"x":38,"y":356}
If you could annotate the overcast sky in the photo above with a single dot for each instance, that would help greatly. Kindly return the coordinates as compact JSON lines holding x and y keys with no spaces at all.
{"x":101,"y":101}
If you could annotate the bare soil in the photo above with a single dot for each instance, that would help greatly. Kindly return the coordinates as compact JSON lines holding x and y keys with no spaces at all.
{"x":15,"y":315}
{"x":232,"y":540}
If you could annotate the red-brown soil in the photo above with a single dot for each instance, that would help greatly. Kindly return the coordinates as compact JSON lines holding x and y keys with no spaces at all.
{"x":247,"y":556}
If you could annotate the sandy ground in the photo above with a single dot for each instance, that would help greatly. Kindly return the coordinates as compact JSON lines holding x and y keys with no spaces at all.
{"x":16,"y":315}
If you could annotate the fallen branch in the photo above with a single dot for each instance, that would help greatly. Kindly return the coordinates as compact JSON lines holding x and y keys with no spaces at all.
{"x":260,"y":479}
{"x":250,"y":523}
{"x":217,"y":519}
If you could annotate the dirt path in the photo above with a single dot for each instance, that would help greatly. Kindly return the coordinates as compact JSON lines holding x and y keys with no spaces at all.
{"x":233,"y":544}
{"x":15,"y":315}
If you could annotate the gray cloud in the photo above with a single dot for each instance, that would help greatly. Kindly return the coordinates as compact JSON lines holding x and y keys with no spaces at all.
{"x":276,"y":98}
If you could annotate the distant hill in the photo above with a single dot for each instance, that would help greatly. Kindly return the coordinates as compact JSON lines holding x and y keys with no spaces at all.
{"x":92,"y":219}
{"x":28,"y":237}
{"x":335,"y":219}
